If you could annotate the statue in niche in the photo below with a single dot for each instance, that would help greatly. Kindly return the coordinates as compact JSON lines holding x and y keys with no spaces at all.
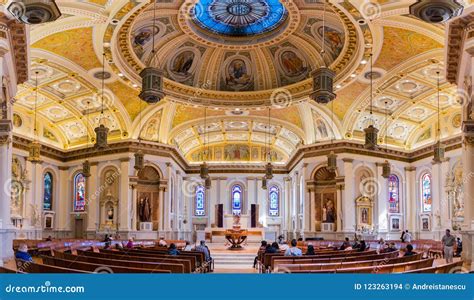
{"x":144,"y":210}
{"x":110,"y":214}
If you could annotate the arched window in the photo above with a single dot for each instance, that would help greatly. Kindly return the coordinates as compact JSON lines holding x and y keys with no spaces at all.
{"x":236,"y":200}
{"x":393,"y":194}
{"x":79,"y":192}
{"x":274,"y":199}
{"x":48,"y":191}
{"x":199,"y":201}
{"x":426,"y":198}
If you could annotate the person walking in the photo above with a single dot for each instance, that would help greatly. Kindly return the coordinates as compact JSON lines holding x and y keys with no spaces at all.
{"x":448,"y":243}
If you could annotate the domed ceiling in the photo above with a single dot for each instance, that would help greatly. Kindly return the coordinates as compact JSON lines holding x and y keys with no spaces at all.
{"x":237,"y":58}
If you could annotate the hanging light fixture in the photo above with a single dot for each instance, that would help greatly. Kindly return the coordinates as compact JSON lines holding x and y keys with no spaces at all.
{"x":269,"y":166}
{"x":371,"y":133}
{"x":207,"y":182}
{"x":139,"y":157}
{"x":438,"y":147}
{"x":152,"y":77}
{"x":264,"y":183}
{"x":34,"y":148}
{"x":86,"y":165}
{"x":323,"y":77}
{"x":102,"y":132}
{"x":386,"y":167}
{"x":436,"y":11}
{"x":332,"y":158}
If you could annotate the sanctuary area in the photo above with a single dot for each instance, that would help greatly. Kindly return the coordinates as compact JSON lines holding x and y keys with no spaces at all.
{"x":193,"y":136}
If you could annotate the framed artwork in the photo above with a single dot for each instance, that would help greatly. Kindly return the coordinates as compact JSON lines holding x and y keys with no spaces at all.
{"x":425,"y":223}
{"x":395,"y":223}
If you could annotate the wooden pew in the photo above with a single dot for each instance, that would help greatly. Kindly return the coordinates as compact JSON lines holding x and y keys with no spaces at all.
{"x":94,"y":268}
{"x":132,"y":263}
{"x":393,"y":268}
{"x":31,"y":267}
{"x":308,"y":265}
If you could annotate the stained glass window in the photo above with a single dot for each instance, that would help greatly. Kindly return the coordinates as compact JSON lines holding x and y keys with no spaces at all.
{"x":79,"y":192}
{"x":274,"y":205}
{"x":426,"y":196}
{"x":48,"y":191}
{"x":393,"y":194}
{"x":199,"y":205}
{"x":239,"y":17}
{"x":236,"y":200}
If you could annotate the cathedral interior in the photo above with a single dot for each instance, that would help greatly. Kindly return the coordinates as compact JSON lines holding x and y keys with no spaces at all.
{"x":304,"y":118}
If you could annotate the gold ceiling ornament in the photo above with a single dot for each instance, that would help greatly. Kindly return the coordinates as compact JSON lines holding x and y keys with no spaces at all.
{"x":323,"y":78}
{"x":371,"y":133}
{"x":152,"y":77}
{"x":438,"y":152}
{"x":33,"y":12}
{"x":34,"y":148}
{"x":436,"y":11}
{"x":102,"y":132}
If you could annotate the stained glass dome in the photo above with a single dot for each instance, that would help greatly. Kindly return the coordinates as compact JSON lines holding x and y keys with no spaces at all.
{"x":239,"y":17}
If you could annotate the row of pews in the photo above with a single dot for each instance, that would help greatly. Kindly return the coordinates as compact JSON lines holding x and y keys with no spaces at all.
{"x":73,"y":256}
{"x":327,"y":259}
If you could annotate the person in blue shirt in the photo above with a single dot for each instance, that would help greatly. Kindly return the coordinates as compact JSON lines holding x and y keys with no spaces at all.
{"x":204,"y":249}
{"x":23,"y":254}
{"x":172,"y":250}
{"x":293,"y":250}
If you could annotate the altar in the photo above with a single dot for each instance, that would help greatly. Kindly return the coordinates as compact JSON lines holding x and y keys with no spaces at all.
{"x":234,"y":224}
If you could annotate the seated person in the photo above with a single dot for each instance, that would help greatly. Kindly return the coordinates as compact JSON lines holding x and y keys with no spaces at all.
{"x":293,"y":250}
{"x":172,"y":250}
{"x":345,"y":244}
{"x":204,"y":249}
{"x":188,"y":246}
{"x":23,"y":254}
{"x":409,"y":251}
{"x":381,"y":246}
{"x":162,"y":242}
{"x":273,"y":248}
{"x":391,"y":248}
{"x":130,"y":243}
{"x":263,"y":247}
{"x":49,"y":239}
{"x":310,"y":250}
{"x":362,"y":246}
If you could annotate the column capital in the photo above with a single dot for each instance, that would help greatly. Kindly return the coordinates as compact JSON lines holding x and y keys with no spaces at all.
{"x":94,"y":163}
{"x":65,"y":168}
{"x":348,"y":160}
{"x":124,"y":159}
{"x":379,"y":164}
{"x":410,"y":169}
{"x":5,"y":139}
{"x":340,"y":187}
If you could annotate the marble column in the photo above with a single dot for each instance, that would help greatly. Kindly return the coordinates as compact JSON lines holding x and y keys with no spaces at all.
{"x":161,"y":208}
{"x":444,"y":208}
{"x":124,"y":200}
{"x":468,"y":171}
{"x":93,"y":199}
{"x":286,"y":213}
{"x":349,"y":196}
{"x":339,"y":189}
{"x":410,"y":199}
{"x":6,"y":228}
{"x":133,"y":188}
{"x":381,"y":200}
{"x":436,"y":194}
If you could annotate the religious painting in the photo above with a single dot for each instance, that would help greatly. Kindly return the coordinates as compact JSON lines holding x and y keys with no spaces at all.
{"x":424,"y":136}
{"x":238,"y":74}
{"x":49,"y":135}
{"x":181,"y":67}
{"x":395,"y":223}
{"x":236,"y":152}
{"x":218,"y":154}
{"x":255,"y":154}
{"x":364,"y":206}
{"x":425,"y":223}
{"x":333,"y":38}
{"x":321,"y":129}
{"x":141,"y":37}
{"x":48,"y":222}
{"x":328,"y":209}
{"x":292,"y":63}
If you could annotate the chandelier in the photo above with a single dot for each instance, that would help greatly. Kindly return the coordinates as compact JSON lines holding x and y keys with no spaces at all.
{"x":152,"y":77}
{"x":371,"y":133}
{"x":386,"y":167}
{"x":438,"y":155}
{"x":34,"y":148}
{"x":323,"y":78}
{"x":102,"y":132}
{"x":139,"y":157}
{"x":269,"y":166}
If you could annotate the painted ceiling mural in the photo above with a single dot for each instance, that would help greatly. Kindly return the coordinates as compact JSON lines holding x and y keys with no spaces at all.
{"x":234,"y":59}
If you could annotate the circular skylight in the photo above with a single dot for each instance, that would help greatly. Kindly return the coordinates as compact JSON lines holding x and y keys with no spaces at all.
{"x":239,"y":17}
